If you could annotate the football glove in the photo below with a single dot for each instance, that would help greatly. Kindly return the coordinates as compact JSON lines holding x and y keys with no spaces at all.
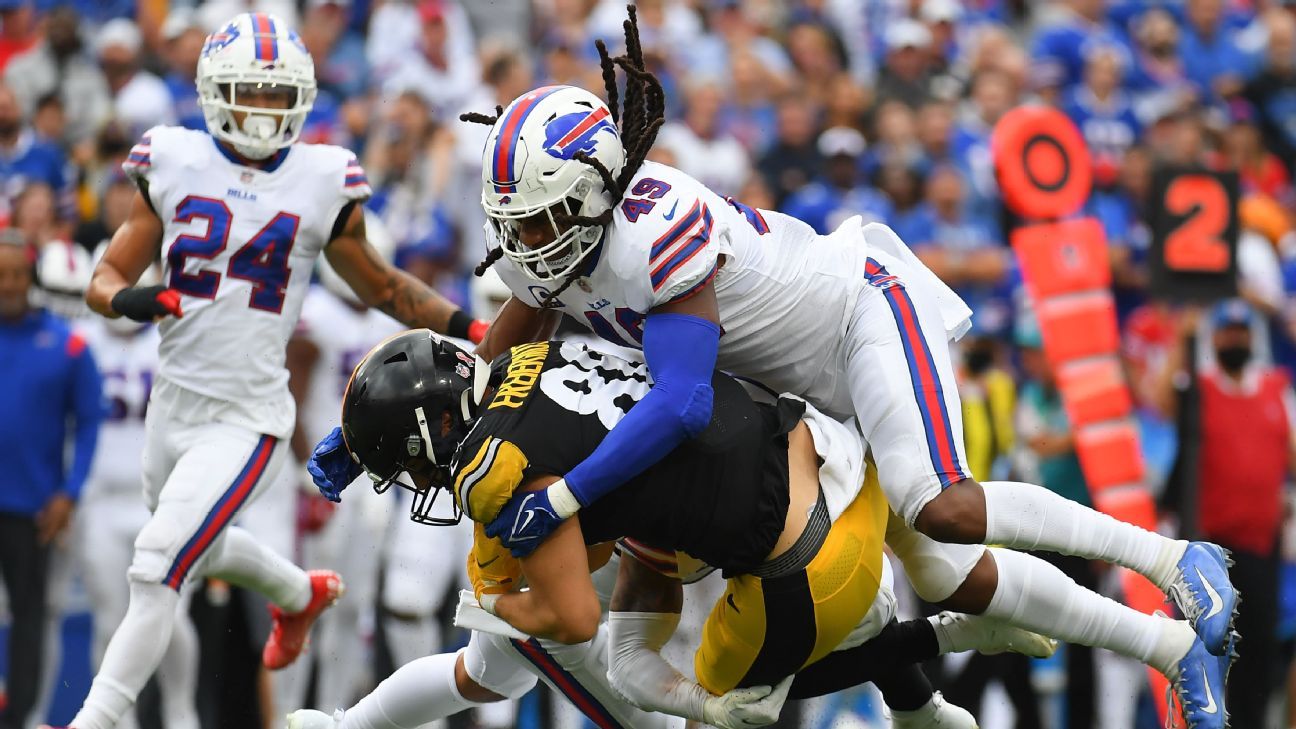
{"x":331,"y":466}
{"x":747,"y":707}
{"x":146,"y":303}
{"x":530,"y":517}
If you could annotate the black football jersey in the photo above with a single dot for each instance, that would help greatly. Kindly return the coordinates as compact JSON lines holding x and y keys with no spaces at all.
{"x":721,"y":497}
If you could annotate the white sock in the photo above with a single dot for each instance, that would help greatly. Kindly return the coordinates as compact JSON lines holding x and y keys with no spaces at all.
{"x":417,"y":693}
{"x":1023,"y":516}
{"x":133,"y":654}
{"x":1035,"y":595}
{"x":240,"y":559}
{"x":178,"y":676}
{"x":411,"y":639}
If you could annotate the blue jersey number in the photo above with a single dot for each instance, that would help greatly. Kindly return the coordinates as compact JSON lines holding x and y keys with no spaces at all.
{"x":647,"y":187}
{"x":263,"y":260}
{"x":116,"y":386}
{"x":631,"y":327}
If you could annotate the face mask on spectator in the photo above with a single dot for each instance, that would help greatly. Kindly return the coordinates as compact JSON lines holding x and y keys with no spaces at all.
{"x":1233,"y":358}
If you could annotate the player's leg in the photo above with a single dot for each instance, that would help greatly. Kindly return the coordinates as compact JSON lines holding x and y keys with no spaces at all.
{"x":905,"y":395}
{"x":433,"y":688}
{"x":178,"y":674}
{"x":415,"y":585}
{"x":218,"y":470}
{"x":346,"y":545}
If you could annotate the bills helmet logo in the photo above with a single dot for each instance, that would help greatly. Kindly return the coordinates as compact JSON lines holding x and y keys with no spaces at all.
{"x":220,"y":39}
{"x":576,"y":132}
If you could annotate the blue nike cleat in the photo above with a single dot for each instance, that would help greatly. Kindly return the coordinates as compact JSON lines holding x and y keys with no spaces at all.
{"x":1205,"y":595}
{"x":1200,"y":687}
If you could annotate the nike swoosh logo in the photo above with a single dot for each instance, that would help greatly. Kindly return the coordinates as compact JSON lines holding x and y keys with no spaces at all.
{"x":530,"y":514}
{"x":487,"y":563}
{"x":1217,"y":604}
{"x":729,"y":599}
{"x":1210,"y":707}
{"x":671,"y":214}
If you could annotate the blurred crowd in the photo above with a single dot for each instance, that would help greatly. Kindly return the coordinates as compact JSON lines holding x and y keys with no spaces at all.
{"x":823,"y":109}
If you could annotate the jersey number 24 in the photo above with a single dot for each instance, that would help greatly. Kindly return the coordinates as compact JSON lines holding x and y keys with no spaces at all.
{"x":263,"y":260}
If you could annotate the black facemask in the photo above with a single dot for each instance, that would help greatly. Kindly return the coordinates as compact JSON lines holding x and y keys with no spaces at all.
{"x":1234,"y":358}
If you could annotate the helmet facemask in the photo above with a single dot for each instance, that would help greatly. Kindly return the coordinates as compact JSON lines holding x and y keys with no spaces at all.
{"x":571,"y":244}
{"x":426,"y":471}
{"x":264,"y":129}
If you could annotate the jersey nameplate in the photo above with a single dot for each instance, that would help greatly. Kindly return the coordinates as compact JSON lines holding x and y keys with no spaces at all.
{"x":523,"y":373}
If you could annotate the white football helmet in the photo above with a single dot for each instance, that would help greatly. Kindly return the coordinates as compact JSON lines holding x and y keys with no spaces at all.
{"x":528,"y":168}
{"x":255,"y":52}
{"x":63,"y":271}
{"x":487,"y":293}
{"x":379,"y":237}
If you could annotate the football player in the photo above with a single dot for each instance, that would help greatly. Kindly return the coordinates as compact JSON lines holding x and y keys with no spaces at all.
{"x":238,"y":216}
{"x":550,"y":403}
{"x":644,"y":255}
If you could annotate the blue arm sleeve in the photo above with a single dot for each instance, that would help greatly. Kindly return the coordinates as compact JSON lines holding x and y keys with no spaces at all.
{"x":681,"y":354}
{"x":88,"y":413}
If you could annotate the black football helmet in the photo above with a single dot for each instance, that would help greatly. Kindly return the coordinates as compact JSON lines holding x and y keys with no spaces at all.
{"x":409,"y":403}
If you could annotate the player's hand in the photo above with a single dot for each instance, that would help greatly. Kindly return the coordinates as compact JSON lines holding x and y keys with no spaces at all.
{"x":54,"y":517}
{"x":147,"y":303}
{"x":525,"y":521}
{"x":331,"y":466}
{"x":747,"y":707}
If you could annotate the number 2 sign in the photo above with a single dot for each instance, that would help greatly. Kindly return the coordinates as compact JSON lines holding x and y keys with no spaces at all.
{"x":1194,"y":234}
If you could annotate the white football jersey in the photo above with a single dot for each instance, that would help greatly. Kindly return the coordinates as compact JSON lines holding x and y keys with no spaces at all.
{"x":239,"y":244}
{"x":785,"y":293}
{"x":343,"y":336}
{"x":128,"y":364}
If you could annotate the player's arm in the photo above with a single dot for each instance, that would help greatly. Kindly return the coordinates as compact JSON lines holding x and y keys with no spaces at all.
{"x":560,"y":603}
{"x":135,"y":245}
{"x":645,"y":611}
{"x":516,"y":323}
{"x":389,"y":289}
{"x":680,"y":342}
{"x":300,"y":359}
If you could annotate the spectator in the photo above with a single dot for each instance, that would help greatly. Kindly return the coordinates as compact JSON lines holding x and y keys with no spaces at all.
{"x":1273,"y":90}
{"x":896,"y":134}
{"x":793,"y":159}
{"x":1104,"y":114}
{"x":50,"y":379}
{"x":35,"y":215}
{"x":992,"y":95}
{"x":60,"y":65}
{"x":731,"y":26}
{"x":837,"y":195}
{"x":24,"y":159}
{"x":183,"y":37}
{"x":140,"y":99}
{"x":442,"y":68}
{"x":410,"y":164}
{"x":1259,"y":170}
{"x":936,"y":132}
{"x":1157,"y":77}
{"x":907,"y":75}
{"x":1082,"y":27}
{"x":848,"y":103}
{"x":17,"y":29}
{"x":1244,"y":460}
{"x":942,"y":20}
{"x":114,"y":207}
{"x":748,"y":113}
{"x":1211,"y":57}
{"x":816,"y":57}
{"x":702,"y":148}
{"x":962,"y":252}
{"x":341,"y":69}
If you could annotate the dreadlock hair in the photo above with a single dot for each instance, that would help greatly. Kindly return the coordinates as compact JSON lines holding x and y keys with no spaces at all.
{"x":641,"y":112}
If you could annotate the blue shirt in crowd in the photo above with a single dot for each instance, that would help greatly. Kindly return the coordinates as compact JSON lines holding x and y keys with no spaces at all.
{"x":48,"y":378}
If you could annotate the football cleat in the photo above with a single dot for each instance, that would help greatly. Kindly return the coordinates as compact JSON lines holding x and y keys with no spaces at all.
{"x":1199,"y":687}
{"x":1204,"y":593}
{"x":991,"y":636}
{"x":290,"y":631}
{"x":311,"y":719}
{"x":935,"y":714}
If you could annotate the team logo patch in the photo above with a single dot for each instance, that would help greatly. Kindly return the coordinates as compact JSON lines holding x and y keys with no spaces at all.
{"x":885,"y":281}
{"x":576,"y":132}
{"x":505,"y":200}
{"x":245,"y":176}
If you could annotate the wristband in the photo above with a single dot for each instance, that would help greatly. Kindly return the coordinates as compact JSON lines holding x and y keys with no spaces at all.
{"x":459,"y":323}
{"x":561,"y":498}
{"x":477,"y":330}
{"x":487,"y":602}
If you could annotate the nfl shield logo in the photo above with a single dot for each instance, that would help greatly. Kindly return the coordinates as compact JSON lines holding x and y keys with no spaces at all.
{"x":246,"y":176}
{"x":584,"y":286}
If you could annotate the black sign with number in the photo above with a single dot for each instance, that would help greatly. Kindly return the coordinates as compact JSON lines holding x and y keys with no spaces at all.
{"x":1194,"y":223}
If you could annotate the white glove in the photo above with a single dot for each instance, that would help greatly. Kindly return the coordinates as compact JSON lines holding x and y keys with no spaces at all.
{"x":747,"y":707}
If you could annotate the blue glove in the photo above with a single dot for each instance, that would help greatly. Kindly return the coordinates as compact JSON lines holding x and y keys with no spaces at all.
{"x":331,"y":466}
{"x":525,"y":521}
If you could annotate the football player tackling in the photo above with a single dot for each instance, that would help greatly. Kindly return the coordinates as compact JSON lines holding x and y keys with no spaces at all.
{"x":238,"y":216}
{"x":646,"y":256}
